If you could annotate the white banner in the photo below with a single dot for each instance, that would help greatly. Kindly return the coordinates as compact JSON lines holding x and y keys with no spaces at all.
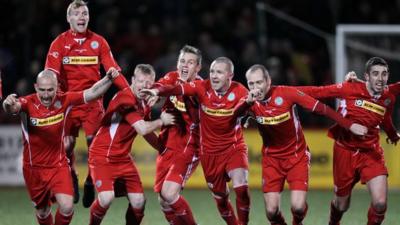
{"x":11,"y":156}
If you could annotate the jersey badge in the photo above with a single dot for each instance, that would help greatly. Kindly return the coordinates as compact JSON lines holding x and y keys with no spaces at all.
{"x":231,"y":96}
{"x":57,"y":104}
{"x":94,"y":44}
{"x":387,"y":101}
{"x":278,"y":100}
{"x":54,"y":54}
{"x":300,"y":93}
{"x":98,"y":183}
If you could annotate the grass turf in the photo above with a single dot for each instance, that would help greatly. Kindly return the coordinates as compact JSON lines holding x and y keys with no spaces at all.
{"x":16,"y":209}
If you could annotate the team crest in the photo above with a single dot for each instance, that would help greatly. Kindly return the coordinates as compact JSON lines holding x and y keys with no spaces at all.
{"x":98,"y":183}
{"x":387,"y":102}
{"x":57,"y":104}
{"x":278,"y":100}
{"x":231,"y":96}
{"x":94,"y":44}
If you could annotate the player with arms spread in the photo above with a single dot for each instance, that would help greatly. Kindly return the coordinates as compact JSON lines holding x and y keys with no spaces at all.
{"x":285,"y":154}
{"x":45,"y":166}
{"x":75,"y":56}
{"x":357,"y":158}
{"x":223,"y":153}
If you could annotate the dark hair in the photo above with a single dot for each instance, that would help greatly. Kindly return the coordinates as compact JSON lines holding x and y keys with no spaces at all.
{"x":256,"y":67}
{"x":193,"y":50}
{"x":375,"y":61}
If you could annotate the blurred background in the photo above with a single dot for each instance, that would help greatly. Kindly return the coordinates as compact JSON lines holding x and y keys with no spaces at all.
{"x":295,"y":40}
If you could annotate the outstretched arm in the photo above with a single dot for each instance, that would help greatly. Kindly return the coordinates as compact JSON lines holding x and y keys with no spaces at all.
{"x":144,"y":127}
{"x":100,"y":87}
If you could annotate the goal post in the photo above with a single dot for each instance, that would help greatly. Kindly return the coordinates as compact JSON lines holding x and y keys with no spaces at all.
{"x":370,"y":48}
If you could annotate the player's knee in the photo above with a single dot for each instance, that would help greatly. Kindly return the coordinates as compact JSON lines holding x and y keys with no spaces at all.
{"x":380,"y":206}
{"x":43,"y":212}
{"x":105,"y":198}
{"x":138,"y":201}
{"x":298,"y":210}
{"x":168,"y":196}
{"x":271,"y":212}
{"x":66,"y":207}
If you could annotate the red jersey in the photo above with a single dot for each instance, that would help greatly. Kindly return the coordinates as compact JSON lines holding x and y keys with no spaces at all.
{"x":358,"y":105}
{"x":43,"y":128}
{"x":76,"y":59}
{"x":186,"y":112}
{"x":220,"y":129}
{"x":114,"y":139}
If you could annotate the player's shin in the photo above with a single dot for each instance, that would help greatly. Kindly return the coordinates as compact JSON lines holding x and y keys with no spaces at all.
{"x":298,"y":215}
{"x":134,"y":216}
{"x":375,"y":216}
{"x":182,"y":211}
{"x":242,"y":204}
{"x":46,"y":220}
{"x":226,"y":210}
{"x":335,"y":215}
{"x":62,"y":219}
{"x":97,"y":213}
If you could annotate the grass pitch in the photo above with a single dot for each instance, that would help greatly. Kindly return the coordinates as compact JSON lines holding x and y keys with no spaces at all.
{"x":16,"y":209}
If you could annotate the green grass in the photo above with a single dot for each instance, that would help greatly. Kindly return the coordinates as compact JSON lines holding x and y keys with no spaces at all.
{"x":16,"y":209}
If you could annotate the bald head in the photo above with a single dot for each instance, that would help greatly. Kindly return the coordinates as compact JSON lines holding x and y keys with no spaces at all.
{"x":46,"y":87}
{"x":47,"y":75}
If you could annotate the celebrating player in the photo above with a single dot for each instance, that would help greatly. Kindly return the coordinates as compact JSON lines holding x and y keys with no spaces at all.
{"x":110,"y":158}
{"x":223,"y":153}
{"x":285,"y":154}
{"x":75,"y":56}
{"x":361,"y":158}
{"x":181,"y":141}
{"x":45,"y":166}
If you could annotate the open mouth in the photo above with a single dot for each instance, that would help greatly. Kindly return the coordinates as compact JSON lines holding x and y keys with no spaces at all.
{"x":185,"y":72}
{"x":81,"y":24}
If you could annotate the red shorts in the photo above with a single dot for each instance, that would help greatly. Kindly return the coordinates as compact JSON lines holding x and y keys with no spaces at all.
{"x":216,"y":167}
{"x":349,"y":167}
{"x":175,"y":166}
{"x":104,"y":175}
{"x":293,"y":169}
{"x":87,"y":116}
{"x":44,"y":183}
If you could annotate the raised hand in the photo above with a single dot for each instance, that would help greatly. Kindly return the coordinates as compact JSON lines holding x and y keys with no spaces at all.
{"x":352,"y":77}
{"x":112,"y":73}
{"x":252,"y":96}
{"x":167,"y":118}
{"x":11,"y":104}
{"x":393,"y":141}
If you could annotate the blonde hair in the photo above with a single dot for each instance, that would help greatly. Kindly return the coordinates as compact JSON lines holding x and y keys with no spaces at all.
{"x":75,"y":4}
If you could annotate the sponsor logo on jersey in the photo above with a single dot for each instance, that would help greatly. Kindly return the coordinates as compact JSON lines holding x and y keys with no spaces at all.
{"x":217,"y":112}
{"x":80,"y":60}
{"x":178,"y":104}
{"x":273,"y":120}
{"x":370,"y":106}
{"x":231,"y":96}
{"x":94,"y":44}
{"x":278,"y":100}
{"x":40,"y":122}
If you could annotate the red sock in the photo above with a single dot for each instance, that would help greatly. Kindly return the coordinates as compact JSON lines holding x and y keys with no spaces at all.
{"x":134,"y":216}
{"x":96,"y":213}
{"x":242,"y":204}
{"x":226,"y":211}
{"x":374,"y":217}
{"x":182,"y":211}
{"x":298,"y":217}
{"x":170,"y":216}
{"x":48,"y":220}
{"x":63,"y":219}
{"x":278,"y":219}
{"x":335,"y":215}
